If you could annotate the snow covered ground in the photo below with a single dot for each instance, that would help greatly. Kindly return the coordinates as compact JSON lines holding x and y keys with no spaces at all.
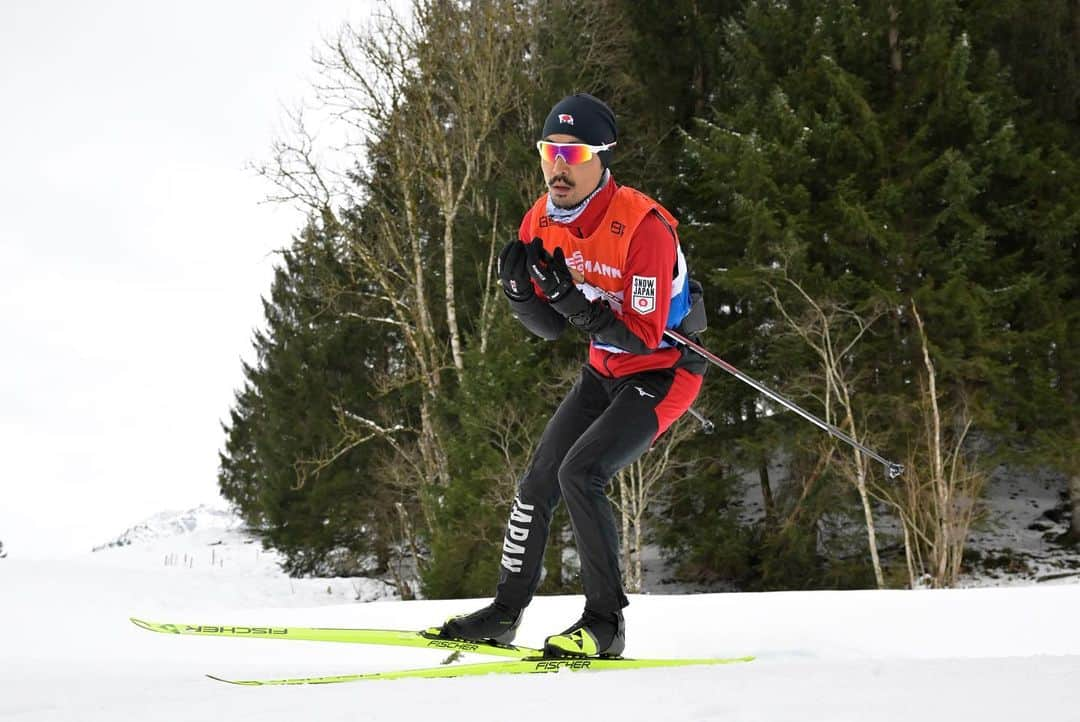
{"x":1018,"y":541}
{"x":70,"y":653}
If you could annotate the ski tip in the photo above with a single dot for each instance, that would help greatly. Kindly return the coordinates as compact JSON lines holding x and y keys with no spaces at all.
{"x":153,"y":626}
{"x":162,"y":628}
{"x":239,"y":683}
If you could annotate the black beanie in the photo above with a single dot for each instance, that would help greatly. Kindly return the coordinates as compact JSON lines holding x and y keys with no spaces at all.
{"x":584,"y":117}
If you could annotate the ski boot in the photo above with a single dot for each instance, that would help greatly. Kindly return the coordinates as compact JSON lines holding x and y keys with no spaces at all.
{"x":496,"y":623}
{"x":594,"y":635}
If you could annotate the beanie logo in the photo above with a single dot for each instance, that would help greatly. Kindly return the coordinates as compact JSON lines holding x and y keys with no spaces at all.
{"x":566,"y":118}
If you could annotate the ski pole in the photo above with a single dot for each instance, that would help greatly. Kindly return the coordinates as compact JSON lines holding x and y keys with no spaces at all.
{"x":892,"y":469}
{"x":707,"y":426}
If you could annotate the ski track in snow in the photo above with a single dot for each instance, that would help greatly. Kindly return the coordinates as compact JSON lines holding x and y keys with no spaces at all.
{"x":70,"y":652}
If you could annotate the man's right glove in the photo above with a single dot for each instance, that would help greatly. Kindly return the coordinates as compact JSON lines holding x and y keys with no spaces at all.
{"x":550,"y":271}
{"x":514,"y":273}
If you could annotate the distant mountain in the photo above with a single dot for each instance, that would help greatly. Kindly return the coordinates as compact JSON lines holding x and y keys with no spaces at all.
{"x":177,"y":523}
{"x":214,"y":549}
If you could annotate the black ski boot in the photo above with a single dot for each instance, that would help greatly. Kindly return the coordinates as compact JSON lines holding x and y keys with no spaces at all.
{"x":494,"y":623}
{"x":594,"y":635}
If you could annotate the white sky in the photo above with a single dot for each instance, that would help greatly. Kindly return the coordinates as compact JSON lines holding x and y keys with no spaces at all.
{"x":133,"y":246}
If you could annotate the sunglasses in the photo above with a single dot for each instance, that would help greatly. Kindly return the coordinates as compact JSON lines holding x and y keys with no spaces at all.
{"x":571,"y":153}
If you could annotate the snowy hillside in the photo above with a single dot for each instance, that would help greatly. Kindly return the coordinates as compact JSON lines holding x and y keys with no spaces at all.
{"x":209,"y":548}
{"x":71,"y":653}
{"x":169,"y":524}
{"x":1018,"y":541}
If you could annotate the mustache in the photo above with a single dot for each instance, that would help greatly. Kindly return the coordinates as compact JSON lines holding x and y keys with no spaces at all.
{"x":560,"y":179}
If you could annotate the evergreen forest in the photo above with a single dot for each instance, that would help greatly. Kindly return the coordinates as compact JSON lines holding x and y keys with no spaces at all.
{"x":881,"y":200}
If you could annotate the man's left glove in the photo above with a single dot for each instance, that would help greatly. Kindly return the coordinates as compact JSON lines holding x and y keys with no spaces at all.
{"x":553,"y":277}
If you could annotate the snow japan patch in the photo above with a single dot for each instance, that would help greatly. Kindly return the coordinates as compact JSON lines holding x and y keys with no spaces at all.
{"x":643,"y":298}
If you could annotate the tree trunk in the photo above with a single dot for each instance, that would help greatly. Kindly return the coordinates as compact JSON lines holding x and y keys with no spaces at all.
{"x":896,"y":59}
{"x":491,"y":284}
{"x":1075,"y":33}
{"x":868,"y":512}
{"x":638,"y":573}
{"x":431,"y":450}
{"x":1074,"y":494}
{"x":764,"y":482}
{"x":624,"y":516}
{"x":766,"y":488}
{"x":451,"y":304}
{"x":908,"y":556}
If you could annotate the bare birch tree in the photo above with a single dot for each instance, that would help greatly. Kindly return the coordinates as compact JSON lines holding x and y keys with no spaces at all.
{"x":455,"y":67}
{"x":424,"y":94}
{"x":636,"y":489}
{"x":938,"y":498}
{"x":832,"y":332}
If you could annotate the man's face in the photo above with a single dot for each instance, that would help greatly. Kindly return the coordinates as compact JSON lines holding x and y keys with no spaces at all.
{"x":568,"y":185}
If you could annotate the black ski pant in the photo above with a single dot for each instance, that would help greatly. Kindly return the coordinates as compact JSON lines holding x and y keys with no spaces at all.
{"x":603,"y":425}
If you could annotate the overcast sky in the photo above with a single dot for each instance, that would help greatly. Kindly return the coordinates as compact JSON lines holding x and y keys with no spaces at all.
{"x":133,"y":246}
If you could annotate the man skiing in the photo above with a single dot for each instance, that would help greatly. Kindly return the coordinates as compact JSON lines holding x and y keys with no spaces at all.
{"x":606,"y":261}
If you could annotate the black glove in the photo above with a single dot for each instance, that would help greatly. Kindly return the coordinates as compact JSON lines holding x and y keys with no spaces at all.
{"x":553,"y":277}
{"x":513,"y":273}
{"x":550,"y":271}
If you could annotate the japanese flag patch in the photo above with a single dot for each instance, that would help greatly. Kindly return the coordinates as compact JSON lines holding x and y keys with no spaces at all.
{"x":643,"y":294}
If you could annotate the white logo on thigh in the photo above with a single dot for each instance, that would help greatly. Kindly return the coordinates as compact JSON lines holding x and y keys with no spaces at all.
{"x":643,"y":392}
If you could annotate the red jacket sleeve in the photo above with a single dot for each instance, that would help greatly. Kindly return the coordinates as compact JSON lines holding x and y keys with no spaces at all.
{"x":647,"y":276}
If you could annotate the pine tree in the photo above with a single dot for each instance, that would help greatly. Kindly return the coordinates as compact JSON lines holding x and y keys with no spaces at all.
{"x":280,"y":466}
{"x":1039,"y":41}
{"x":875,"y":182}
